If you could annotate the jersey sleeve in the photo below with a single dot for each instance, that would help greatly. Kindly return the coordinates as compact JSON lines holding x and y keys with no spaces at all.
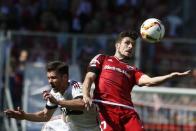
{"x":57,"y":96}
{"x":96,"y":63}
{"x":138,"y":74}
{"x":76,"y":89}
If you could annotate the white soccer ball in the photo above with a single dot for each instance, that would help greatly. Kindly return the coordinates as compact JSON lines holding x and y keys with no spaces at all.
{"x":152,"y":30}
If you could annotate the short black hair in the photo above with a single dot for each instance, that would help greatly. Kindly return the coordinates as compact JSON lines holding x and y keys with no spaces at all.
{"x":58,"y":66}
{"x":132,"y":34}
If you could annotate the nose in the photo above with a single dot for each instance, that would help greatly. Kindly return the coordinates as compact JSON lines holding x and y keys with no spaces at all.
{"x":50,"y":80}
{"x":130,"y":45}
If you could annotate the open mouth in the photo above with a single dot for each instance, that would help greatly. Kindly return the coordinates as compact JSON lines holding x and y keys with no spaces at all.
{"x":129,"y":51}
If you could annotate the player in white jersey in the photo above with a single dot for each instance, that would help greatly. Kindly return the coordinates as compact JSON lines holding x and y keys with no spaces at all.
{"x":67,"y":96}
{"x":78,"y":120}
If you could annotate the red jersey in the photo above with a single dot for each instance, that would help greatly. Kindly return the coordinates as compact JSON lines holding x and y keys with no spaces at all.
{"x":115,"y":79}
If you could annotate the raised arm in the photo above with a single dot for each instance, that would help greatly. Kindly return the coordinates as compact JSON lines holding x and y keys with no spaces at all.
{"x":145,"y":80}
{"x":88,"y":81}
{"x":41,"y":116}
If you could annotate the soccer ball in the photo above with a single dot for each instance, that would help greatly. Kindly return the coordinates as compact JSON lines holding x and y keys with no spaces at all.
{"x":152,"y":30}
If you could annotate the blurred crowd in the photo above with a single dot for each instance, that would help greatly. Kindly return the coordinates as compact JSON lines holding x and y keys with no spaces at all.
{"x":91,"y":17}
{"x":88,"y":16}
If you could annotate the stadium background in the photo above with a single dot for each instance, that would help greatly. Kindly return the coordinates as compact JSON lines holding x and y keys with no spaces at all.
{"x":34,"y":32}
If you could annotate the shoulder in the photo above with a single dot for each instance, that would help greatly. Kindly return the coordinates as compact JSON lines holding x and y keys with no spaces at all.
{"x":135,"y":68}
{"x":98,"y":59}
{"x":99,"y":56}
{"x":74,"y":84}
{"x":75,"y":89}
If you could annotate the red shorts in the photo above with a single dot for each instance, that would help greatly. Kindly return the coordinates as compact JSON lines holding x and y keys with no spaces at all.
{"x":115,"y":118}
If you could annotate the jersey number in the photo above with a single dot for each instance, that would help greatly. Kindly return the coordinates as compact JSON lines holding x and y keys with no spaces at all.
{"x":103,"y":125}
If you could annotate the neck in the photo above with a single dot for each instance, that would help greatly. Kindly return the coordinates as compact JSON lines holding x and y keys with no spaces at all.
{"x":62,"y":90}
{"x":122,"y":58}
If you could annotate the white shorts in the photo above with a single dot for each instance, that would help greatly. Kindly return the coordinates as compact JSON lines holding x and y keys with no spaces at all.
{"x":79,"y":128}
{"x":58,"y":124}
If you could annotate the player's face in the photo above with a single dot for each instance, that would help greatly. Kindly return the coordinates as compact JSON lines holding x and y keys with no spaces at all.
{"x":125,"y":47}
{"x":57,"y":81}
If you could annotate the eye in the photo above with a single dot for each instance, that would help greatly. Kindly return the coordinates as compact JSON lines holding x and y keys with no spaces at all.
{"x":133,"y":43}
{"x":127,"y":42}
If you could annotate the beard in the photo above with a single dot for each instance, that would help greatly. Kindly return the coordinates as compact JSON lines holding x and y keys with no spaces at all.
{"x":124,"y":57}
{"x":127,"y":58}
{"x":52,"y":85}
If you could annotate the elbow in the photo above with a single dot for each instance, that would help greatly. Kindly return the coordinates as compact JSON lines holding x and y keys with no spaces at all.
{"x":81,"y":104}
{"x":151,"y":84}
{"x":147,"y":84}
{"x":90,"y":76}
{"x":46,"y":118}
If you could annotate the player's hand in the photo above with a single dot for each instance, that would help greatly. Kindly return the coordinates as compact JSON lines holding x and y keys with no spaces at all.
{"x":181,"y":73}
{"x":17,"y":114}
{"x":44,"y":94}
{"x":50,"y":97}
{"x":88,"y":102}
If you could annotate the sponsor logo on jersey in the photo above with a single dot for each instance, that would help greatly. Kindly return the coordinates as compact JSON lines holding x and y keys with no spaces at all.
{"x":108,"y":67}
{"x":110,"y":60}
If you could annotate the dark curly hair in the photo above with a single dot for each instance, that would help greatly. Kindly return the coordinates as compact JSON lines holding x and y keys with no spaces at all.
{"x":132,"y":34}
{"x":58,"y":66}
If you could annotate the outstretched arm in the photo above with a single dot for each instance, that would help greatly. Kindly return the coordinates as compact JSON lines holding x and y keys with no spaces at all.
{"x":41,"y":116}
{"x":145,"y":80}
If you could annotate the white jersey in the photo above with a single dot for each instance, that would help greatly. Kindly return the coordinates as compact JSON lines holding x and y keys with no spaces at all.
{"x":78,"y":118}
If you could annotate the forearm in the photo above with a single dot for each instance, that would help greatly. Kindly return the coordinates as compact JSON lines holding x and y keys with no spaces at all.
{"x":86,"y":88}
{"x":75,"y":104}
{"x":36,"y":117}
{"x":89,"y":79}
{"x":145,"y":80}
{"x":153,"y":81}
{"x":159,"y":79}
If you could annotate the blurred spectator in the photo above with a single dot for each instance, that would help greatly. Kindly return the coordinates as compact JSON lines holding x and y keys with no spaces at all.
{"x":86,"y":16}
{"x":76,"y":24}
{"x":8,"y":15}
{"x":193,"y":80}
{"x":16,"y":77}
{"x":88,"y":50}
{"x":174,"y":23}
{"x":48,"y":22}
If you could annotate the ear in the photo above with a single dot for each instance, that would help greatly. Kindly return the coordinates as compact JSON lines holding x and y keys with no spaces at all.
{"x":117,"y":45}
{"x":65,"y":77}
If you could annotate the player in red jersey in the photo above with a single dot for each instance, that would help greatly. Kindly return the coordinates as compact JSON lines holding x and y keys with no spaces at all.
{"x":114,"y":79}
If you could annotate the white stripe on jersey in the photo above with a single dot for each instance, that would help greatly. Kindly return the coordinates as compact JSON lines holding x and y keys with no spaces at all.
{"x":113,"y":103}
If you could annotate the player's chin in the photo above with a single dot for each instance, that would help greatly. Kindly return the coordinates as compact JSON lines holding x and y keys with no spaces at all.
{"x":53,"y":86}
{"x":128,"y":55}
